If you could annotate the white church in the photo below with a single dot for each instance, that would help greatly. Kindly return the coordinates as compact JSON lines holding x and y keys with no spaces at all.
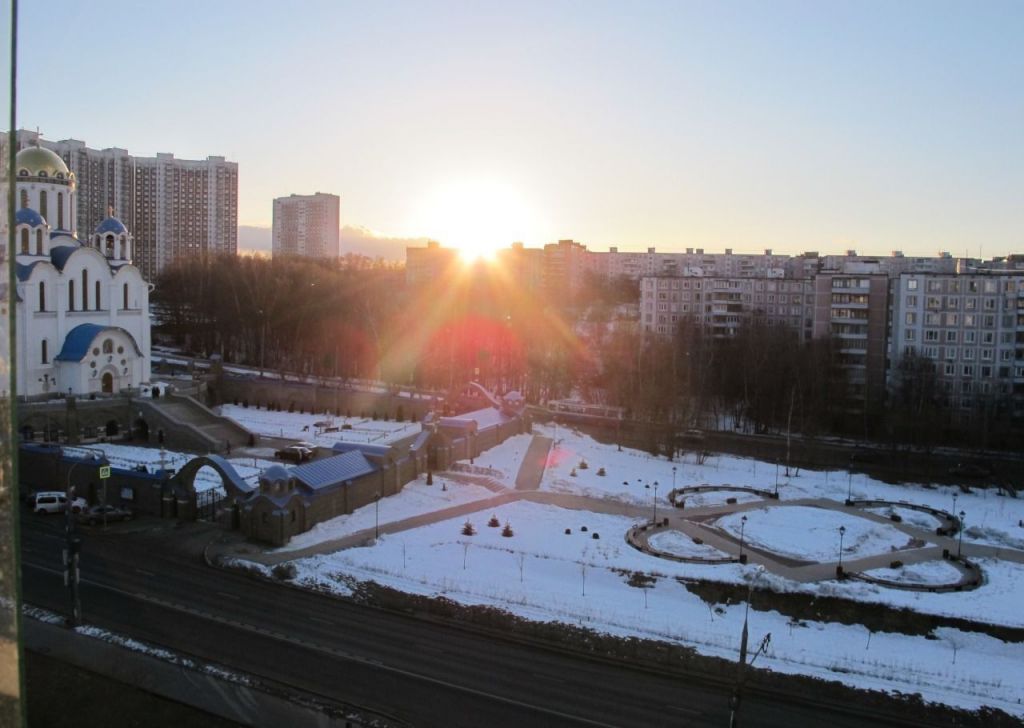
{"x":82,"y":308}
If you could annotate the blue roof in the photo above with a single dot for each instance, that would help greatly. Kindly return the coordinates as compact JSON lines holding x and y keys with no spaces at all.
{"x":59,"y":255}
{"x":61,"y":233}
{"x":24,"y":272}
{"x":28,"y":216}
{"x":333,"y":471}
{"x":78,"y":340}
{"x":112,"y":225}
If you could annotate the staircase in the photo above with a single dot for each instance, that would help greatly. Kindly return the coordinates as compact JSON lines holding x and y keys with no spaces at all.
{"x":181,"y":412}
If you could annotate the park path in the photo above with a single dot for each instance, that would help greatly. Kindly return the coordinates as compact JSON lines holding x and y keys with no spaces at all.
{"x":531,"y":469}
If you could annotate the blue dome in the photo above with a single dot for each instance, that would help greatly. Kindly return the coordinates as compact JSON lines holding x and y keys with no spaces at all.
{"x":28,"y":216}
{"x":112,"y":225}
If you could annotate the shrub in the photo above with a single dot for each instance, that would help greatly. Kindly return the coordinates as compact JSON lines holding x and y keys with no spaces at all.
{"x":568,"y":532}
{"x":573,"y":473}
{"x":600,"y":471}
{"x":284,"y":572}
{"x":595,"y":535}
{"x":507,"y":530}
{"x":895,"y":564}
{"x":467,"y":529}
{"x":430,"y":478}
{"x":583,"y":465}
{"x":493,"y":523}
{"x":583,"y":529}
{"x":346,"y":426}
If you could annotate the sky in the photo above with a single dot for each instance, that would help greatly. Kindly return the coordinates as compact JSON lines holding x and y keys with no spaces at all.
{"x":792,"y":125}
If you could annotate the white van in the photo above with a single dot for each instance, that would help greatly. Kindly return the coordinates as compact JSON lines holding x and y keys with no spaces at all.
{"x":54,"y":501}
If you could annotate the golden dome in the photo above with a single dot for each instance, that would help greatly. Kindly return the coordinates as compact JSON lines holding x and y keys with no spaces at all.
{"x":41,"y":162}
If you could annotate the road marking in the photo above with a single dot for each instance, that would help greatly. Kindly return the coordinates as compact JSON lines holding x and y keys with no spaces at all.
{"x":235,"y":597}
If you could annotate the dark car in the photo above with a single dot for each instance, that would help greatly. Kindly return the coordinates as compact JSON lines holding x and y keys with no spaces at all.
{"x":96,"y":514}
{"x":294,"y":453}
{"x":971,"y":470}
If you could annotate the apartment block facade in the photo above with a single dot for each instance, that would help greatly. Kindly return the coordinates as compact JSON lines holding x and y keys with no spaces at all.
{"x":307,"y":225}
{"x":175,"y":207}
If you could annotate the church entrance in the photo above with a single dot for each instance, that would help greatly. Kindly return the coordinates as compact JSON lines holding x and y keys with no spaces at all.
{"x":108,"y":383}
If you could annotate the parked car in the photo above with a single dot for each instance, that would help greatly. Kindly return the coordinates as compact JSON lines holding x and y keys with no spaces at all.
{"x":96,"y":514}
{"x":54,"y":501}
{"x":691,"y":435}
{"x":294,"y":453}
{"x":971,"y":470}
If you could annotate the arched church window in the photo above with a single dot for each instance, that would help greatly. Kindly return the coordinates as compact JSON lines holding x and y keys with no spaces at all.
{"x":24,"y":241}
{"x":42,"y":203}
{"x":108,"y":346}
{"x":110,"y":246}
{"x":39,"y":242}
{"x":125,"y":290}
{"x":45,"y":354}
{"x":97,"y":295}
{"x":85,"y":289}
{"x":24,"y":198}
{"x":42,"y":295}
{"x":60,"y":209}
{"x":42,"y":173}
{"x":71,"y":295}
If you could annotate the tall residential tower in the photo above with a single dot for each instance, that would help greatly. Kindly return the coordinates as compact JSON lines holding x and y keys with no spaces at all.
{"x":307,"y":225}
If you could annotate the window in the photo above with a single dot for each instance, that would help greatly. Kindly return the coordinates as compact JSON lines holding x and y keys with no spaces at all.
{"x":60,"y":210}
{"x":85,"y":289}
{"x":125,"y":291}
{"x":969,"y":337}
{"x":45,"y":356}
{"x":911,"y":319}
{"x":951,"y":336}
{"x":912,"y":300}
{"x":24,"y":241}
{"x":42,"y":203}
{"x":42,"y":296}
{"x":909,"y":335}
{"x":71,"y":295}
{"x":108,"y":346}
{"x":912,"y":285}
{"x":39,"y":242}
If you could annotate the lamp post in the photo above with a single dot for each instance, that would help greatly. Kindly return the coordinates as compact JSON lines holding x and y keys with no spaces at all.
{"x":743,"y":524}
{"x":954,"y":504}
{"x":71,"y":548}
{"x":849,"y":483}
{"x":839,"y":569}
{"x":776,"y":477}
{"x":654,"y":518}
{"x":376,"y":516}
{"x":734,"y":701}
{"x":960,"y":543}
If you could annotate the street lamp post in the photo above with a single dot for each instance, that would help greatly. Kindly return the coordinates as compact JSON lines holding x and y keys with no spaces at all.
{"x":654,"y":518}
{"x":954,"y":504}
{"x":960,"y":543}
{"x":849,"y":483}
{"x":376,"y":516}
{"x":839,"y":569}
{"x":743,"y":524}
{"x":673,"y":478}
{"x":776,"y":477}
{"x":734,"y":700}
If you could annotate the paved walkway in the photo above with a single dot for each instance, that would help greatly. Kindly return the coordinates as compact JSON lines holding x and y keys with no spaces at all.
{"x":531,"y":470}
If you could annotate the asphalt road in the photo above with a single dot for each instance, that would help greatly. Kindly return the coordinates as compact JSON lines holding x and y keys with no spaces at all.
{"x":422,"y":672}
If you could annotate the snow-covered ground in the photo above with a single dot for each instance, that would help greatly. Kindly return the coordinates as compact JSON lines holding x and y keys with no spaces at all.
{"x":543,"y":573}
{"x":679,"y":544}
{"x":812,"y":534}
{"x":930,"y":572}
{"x":415,"y":499}
{"x":296,"y":426}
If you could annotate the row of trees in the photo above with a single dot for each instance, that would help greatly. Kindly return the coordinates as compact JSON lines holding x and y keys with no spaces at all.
{"x":356,"y":318}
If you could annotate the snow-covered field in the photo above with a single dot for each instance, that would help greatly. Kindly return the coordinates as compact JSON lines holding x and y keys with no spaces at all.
{"x":679,"y":544}
{"x":296,"y":426}
{"x":543,"y":573}
{"x":812,"y":534}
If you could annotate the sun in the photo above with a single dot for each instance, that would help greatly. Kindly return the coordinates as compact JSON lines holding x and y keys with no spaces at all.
{"x":476,"y":217}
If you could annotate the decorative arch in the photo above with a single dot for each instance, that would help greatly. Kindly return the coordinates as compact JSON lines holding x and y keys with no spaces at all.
{"x":235,"y":486}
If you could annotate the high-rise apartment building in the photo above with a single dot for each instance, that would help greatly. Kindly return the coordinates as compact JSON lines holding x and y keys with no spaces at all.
{"x":175,"y":207}
{"x":307,"y":225}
